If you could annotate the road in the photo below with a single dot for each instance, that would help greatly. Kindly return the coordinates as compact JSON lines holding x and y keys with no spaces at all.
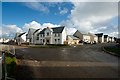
{"x":87,"y":61}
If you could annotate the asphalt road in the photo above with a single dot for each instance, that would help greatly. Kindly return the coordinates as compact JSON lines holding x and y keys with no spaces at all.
{"x":87,"y":61}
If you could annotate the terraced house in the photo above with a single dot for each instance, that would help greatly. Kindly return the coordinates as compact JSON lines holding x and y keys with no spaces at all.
{"x":56,"y":35}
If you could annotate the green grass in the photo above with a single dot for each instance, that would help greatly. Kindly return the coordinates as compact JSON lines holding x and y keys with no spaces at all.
{"x":113,"y":49}
{"x":45,"y":46}
{"x":10,"y":65}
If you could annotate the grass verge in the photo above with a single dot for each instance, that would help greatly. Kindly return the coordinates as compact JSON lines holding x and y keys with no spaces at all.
{"x":10,"y":65}
{"x":113,"y":49}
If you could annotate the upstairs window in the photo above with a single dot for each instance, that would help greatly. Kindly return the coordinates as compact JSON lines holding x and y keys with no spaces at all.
{"x":55,"y":35}
{"x":58,"y":40}
{"x":47,"y":33}
{"x":41,"y":35}
{"x":59,"y":34}
{"x":37,"y":37}
{"x":55,"y":40}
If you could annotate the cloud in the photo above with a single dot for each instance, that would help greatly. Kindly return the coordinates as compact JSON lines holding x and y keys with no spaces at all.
{"x":88,"y":16}
{"x":8,"y":31}
{"x":110,"y":30}
{"x":63,"y":11}
{"x":0,"y":31}
{"x":32,"y":24}
{"x":71,"y":31}
{"x":67,"y":23}
{"x":49,"y":25}
{"x":37,"y":6}
{"x":37,"y":25}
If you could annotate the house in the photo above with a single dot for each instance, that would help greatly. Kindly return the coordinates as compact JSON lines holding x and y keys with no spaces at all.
{"x":113,"y":40}
{"x":93,"y":37}
{"x":1,"y":40}
{"x":36,"y":36}
{"x":109,"y":39}
{"x":29,"y":36}
{"x":82,"y":36}
{"x":72,"y":40}
{"x":20,"y":37}
{"x":100,"y":37}
{"x":56,"y":35}
{"x":106,"y":38}
{"x":16,"y":37}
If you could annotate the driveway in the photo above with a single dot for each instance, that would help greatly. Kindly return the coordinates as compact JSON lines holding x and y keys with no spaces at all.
{"x":87,"y":61}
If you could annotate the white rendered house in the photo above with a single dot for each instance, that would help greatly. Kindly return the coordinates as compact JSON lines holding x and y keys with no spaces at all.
{"x":106,"y":38}
{"x":72,"y":40}
{"x":100,"y":37}
{"x":93,"y":37}
{"x":56,"y":35}
{"x":82,"y":36}
{"x":20,"y":37}
{"x":36,"y":36}
{"x":29,"y":36}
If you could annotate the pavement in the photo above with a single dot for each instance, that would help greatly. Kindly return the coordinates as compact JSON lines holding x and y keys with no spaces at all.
{"x":86,"y":61}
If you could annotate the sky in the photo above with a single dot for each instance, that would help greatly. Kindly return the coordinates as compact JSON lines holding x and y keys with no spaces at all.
{"x":93,"y":17}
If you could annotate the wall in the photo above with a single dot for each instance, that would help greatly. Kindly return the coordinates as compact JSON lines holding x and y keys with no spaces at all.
{"x":63,"y":36}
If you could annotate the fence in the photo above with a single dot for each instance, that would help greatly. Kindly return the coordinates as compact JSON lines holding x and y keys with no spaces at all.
{"x":5,"y":49}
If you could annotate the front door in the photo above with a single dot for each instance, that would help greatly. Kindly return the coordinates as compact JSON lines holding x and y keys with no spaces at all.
{"x":48,"y":42}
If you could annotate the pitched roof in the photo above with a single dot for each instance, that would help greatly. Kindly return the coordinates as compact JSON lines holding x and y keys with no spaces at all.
{"x":55,"y":30}
{"x":36,"y":31}
{"x":81,"y":32}
{"x":73,"y":37}
{"x":99,"y":34}
{"x":21,"y":34}
{"x":105,"y":36}
{"x":42,"y":32}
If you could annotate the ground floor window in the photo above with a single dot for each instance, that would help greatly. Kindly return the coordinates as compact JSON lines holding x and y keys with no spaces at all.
{"x":55,"y":41}
{"x":59,"y":41}
{"x":41,"y":40}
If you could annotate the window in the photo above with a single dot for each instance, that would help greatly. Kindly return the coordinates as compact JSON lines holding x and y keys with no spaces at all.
{"x":37,"y":37}
{"x":58,"y":40}
{"x":55,"y":35}
{"x":59,"y":34}
{"x":47,"y":33}
{"x":43,"y":40}
{"x":41,"y":35}
{"x":55,"y":40}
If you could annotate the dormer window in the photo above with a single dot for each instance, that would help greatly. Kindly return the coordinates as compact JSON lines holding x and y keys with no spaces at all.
{"x":47,"y":33}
